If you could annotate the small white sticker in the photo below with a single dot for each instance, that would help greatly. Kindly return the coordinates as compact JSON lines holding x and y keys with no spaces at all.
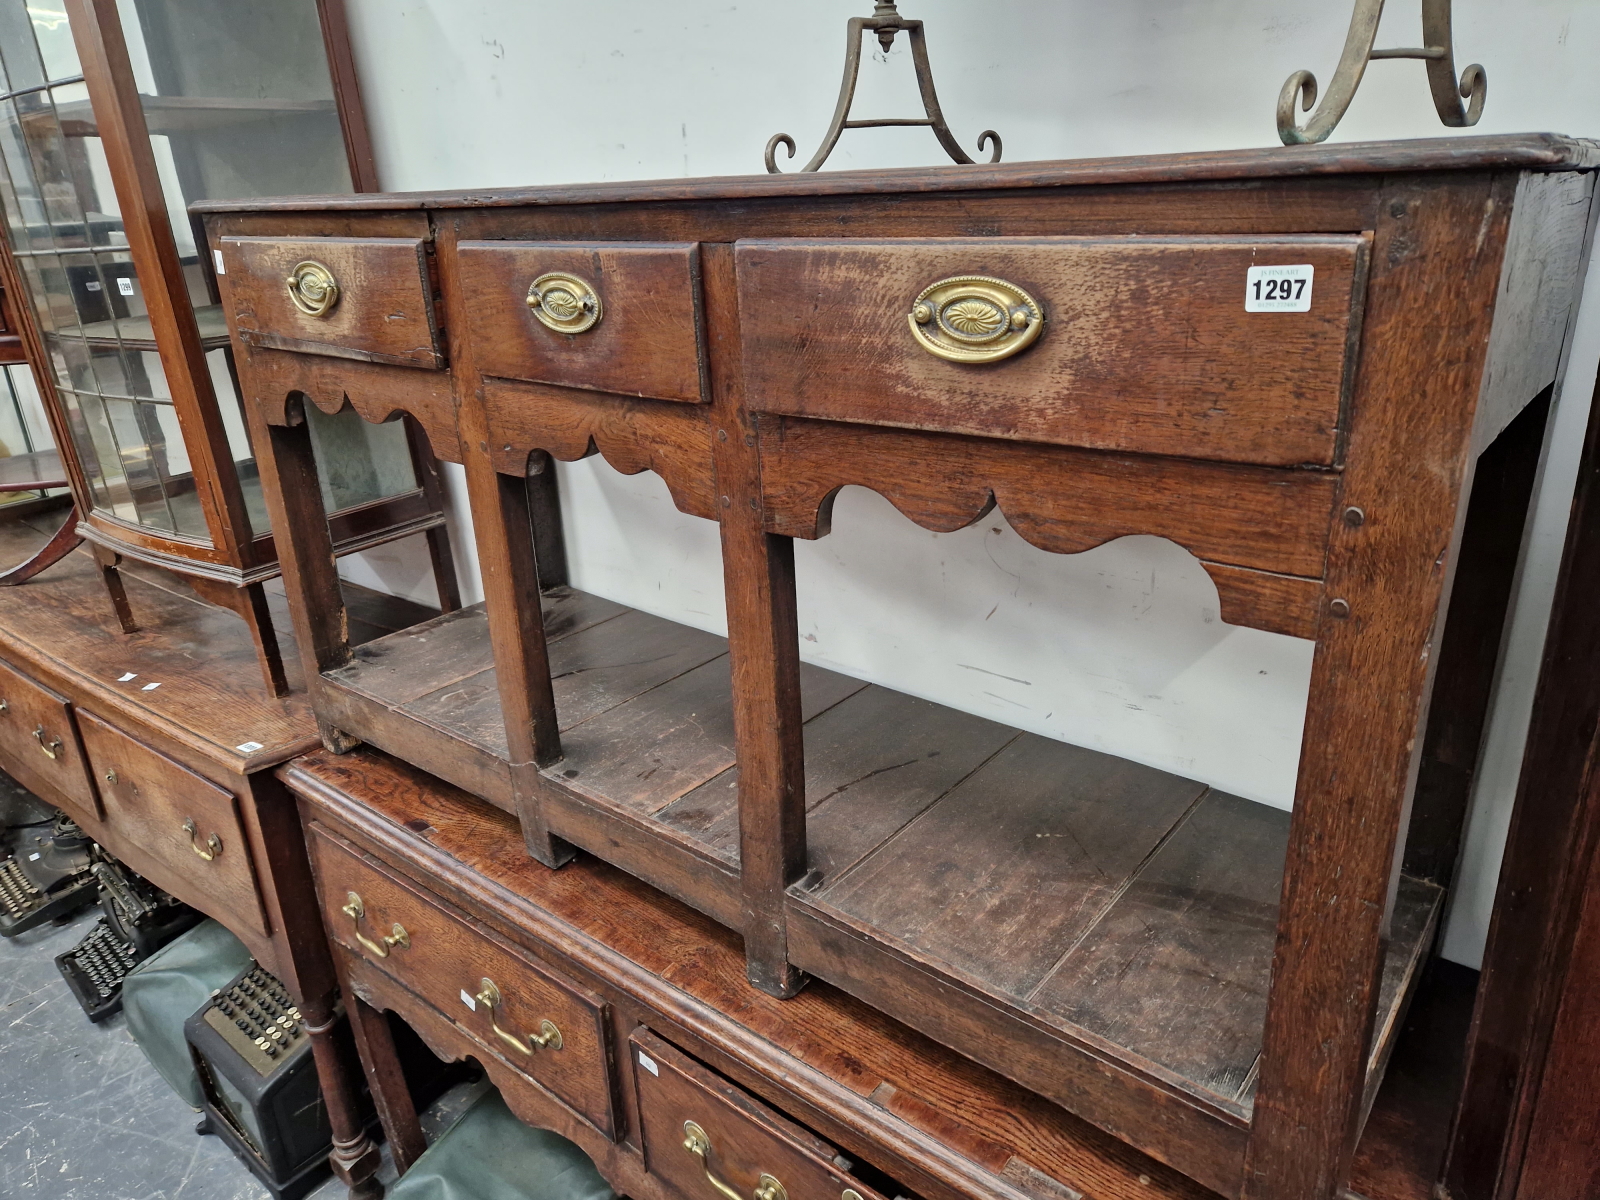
{"x":128,"y":676}
{"x":249,"y":747}
{"x":92,"y":285}
{"x":1278,"y":289}
{"x":125,"y":286}
{"x":469,"y":1000}
{"x":649,"y":1064}
{"x":216,"y":257}
{"x":149,"y":687}
{"x":33,"y":858}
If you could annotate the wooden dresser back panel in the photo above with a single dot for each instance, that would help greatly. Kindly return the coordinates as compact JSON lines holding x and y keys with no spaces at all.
{"x":647,"y":339}
{"x":1147,"y":345}
{"x":384,"y":310}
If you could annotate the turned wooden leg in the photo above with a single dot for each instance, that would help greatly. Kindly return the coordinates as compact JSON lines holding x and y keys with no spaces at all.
{"x":355,"y":1158}
{"x":386,"y":1079}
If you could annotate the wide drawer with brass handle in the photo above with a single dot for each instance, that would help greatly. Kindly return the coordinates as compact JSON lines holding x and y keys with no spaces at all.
{"x":176,"y":827}
{"x":545,"y":1027}
{"x":1234,"y":349}
{"x":363,"y":298}
{"x":619,"y":317}
{"x":709,"y":1139}
{"x":39,"y":745}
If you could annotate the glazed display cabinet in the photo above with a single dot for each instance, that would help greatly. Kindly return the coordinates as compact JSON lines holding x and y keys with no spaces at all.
{"x":116,"y":118}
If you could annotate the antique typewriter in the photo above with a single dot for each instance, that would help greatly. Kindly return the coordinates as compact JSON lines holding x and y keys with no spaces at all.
{"x":47,"y":879}
{"x":262,"y":1096}
{"x":139,"y":919}
{"x":261,"y":1093}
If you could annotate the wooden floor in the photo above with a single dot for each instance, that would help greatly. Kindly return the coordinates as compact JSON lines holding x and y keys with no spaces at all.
{"x":1102,"y":896}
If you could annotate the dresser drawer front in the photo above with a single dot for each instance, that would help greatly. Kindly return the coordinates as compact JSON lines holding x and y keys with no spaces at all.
{"x":179,"y":828}
{"x":1145,"y":344}
{"x":39,"y":744}
{"x":619,"y":317}
{"x":736,"y":1139}
{"x":447,"y":962}
{"x":381,"y":312}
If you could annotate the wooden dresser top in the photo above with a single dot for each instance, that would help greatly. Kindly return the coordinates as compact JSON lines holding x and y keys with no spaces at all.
{"x":1524,"y":151}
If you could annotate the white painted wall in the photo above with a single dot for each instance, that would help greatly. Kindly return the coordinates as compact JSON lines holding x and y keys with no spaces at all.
{"x":1119,"y":648}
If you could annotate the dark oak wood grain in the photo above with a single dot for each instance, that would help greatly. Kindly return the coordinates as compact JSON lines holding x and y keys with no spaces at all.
{"x":631,"y":435}
{"x":933,"y":1119}
{"x":646,"y":342}
{"x":1415,"y":394}
{"x":176,"y":818}
{"x":1146,"y":345}
{"x":383,"y":314}
{"x":1267,"y":529}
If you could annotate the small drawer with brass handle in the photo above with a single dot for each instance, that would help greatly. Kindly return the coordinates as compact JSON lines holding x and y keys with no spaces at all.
{"x":619,"y":317}
{"x":39,"y":744}
{"x":161,"y":817}
{"x":522,"y":1019}
{"x":1144,"y":345}
{"x":708,"y":1138}
{"x":369,"y":299}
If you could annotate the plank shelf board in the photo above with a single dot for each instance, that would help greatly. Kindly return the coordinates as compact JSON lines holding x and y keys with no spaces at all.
{"x":1131,"y":909}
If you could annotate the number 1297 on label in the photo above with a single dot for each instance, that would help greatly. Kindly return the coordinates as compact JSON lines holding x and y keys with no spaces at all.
{"x":1278,"y":289}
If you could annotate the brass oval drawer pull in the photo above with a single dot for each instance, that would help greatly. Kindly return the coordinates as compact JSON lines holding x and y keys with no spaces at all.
{"x":548,"y":1038}
{"x":975,"y":319}
{"x":355,"y":910}
{"x":212,"y":846}
{"x":313,"y":288}
{"x":564,"y":303}
{"x":52,"y":747}
{"x":698,"y":1144}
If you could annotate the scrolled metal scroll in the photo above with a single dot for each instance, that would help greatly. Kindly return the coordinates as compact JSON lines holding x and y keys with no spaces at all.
{"x":886,"y":22}
{"x":1449,"y":92}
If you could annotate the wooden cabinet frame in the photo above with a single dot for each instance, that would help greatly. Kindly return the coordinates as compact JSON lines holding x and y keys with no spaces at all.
{"x":1476,"y":254}
{"x":231,"y":564}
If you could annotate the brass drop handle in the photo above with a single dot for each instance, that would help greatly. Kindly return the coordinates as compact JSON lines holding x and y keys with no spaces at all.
{"x":355,"y":910}
{"x":549,"y":1037}
{"x":698,"y":1144}
{"x":975,"y":319}
{"x":313,"y":288}
{"x":51,"y":747}
{"x":564,"y":303}
{"x":212,"y":846}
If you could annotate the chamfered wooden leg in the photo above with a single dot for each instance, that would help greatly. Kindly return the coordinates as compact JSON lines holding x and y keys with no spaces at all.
{"x":508,"y":563}
{"x":293,"y":494}
{"x":386,"y":1080}
{"x":250,"y":603}
{"x":440,"y":555}
{"x":764,"y":652}
{"x":108,"y":561}
{"x":1393,"y":547}
{"x":355,"y":1158}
